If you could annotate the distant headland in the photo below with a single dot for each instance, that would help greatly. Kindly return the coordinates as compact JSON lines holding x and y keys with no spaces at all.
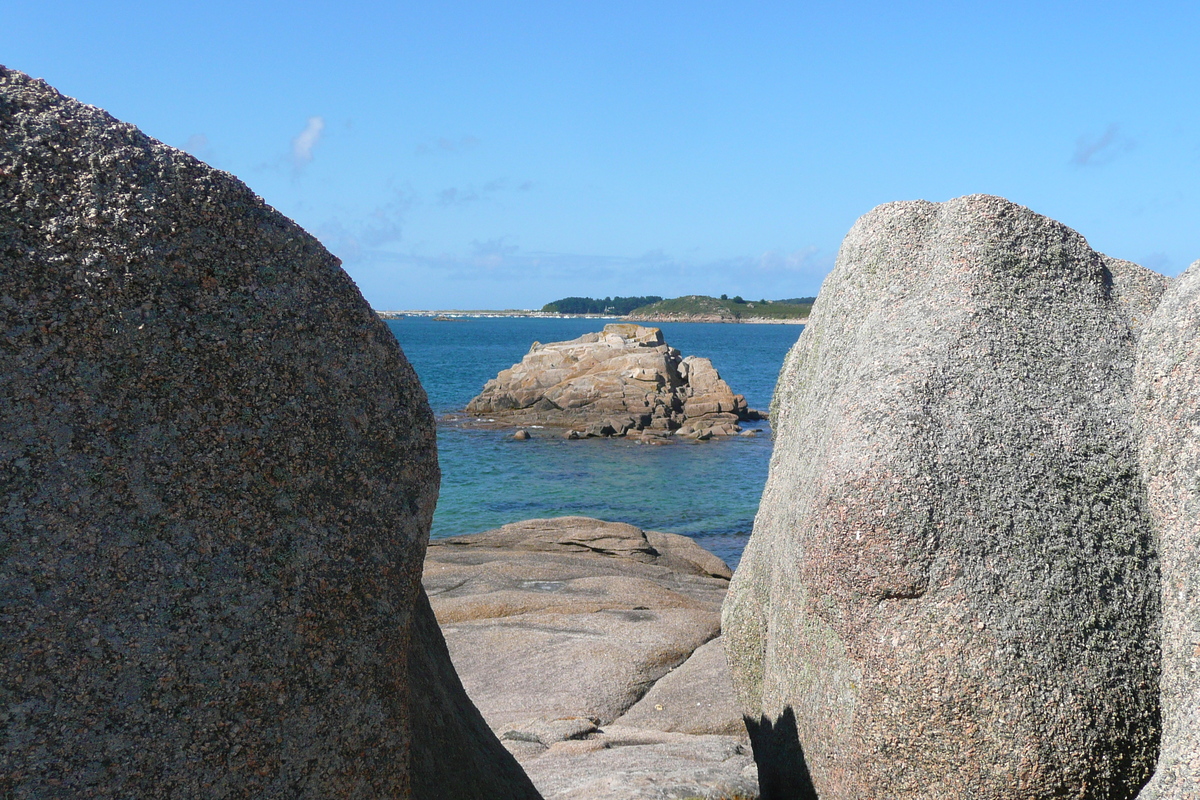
{"x":690,"y":308}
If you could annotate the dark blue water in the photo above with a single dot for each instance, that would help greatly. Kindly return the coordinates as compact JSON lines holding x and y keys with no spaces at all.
{"x":706,"y":490}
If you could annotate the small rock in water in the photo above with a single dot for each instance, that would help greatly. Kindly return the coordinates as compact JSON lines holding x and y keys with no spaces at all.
{"x":619,"y":381}
{"x":521,"y":435}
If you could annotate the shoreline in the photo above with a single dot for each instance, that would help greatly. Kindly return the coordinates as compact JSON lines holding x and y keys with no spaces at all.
{"x":450,"y":315}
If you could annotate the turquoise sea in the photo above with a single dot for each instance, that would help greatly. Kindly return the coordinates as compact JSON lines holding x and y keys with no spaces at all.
{"x":707,"y":490}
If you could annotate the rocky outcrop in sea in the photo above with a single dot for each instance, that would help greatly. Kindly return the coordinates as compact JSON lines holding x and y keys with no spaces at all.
{"x":217,"y":474}
{"x":952,"y":587}
{"x":623,"y":381}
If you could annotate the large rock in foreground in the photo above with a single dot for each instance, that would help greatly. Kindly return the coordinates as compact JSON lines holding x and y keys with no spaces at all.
{"x":617,"y":382}
{"x":951,"y":588}
{"x":1167,"y":399}
{"x":217,"y":473}
{"x":589,"y":648}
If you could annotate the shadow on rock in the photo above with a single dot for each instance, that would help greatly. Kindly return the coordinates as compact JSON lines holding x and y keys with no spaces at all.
{"x":782,"y":770}
{"x":455,"y":755}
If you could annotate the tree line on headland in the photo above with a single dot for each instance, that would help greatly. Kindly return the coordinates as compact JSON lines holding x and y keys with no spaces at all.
{"x":591,"y":305}
{"x":652,"y":306}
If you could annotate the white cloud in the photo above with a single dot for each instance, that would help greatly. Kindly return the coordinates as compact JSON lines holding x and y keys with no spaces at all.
{"x":303,"y":144}
{"x":772,"y":274}
{"x":495,"y":273}
{"x":363,"y":238}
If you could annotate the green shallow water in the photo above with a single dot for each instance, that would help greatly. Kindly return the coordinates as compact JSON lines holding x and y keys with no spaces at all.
{"x":707,"y":490}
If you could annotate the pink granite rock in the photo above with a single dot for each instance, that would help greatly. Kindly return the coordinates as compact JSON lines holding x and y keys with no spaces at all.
{"x":1167,"y":399}
{"x":217,"y":474}
{"x":951,"y":589}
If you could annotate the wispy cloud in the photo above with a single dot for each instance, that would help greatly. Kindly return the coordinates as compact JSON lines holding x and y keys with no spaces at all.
{"x":506,"y":184}
{"x":444,"y":144}
{"x":306,"y":141}
{"x":379,"y":228}
{"x":774,"y":272}
{"x":456,"y":197}
{"x":1159,"y":262}
{"x":1103,"y":149}
{"x":804,"y":260}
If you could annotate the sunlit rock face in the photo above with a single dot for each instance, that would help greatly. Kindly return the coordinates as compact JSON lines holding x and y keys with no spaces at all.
{"x":217,"y":474}
{"x":624,"y":380}
{"x":951,"y":588}
{"x":1167,"y":400}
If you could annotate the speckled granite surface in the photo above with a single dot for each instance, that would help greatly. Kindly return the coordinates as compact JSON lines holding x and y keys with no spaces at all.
{"x":1167,"y":399}
{"x":217,"y":473}
{"x":951,"y":590}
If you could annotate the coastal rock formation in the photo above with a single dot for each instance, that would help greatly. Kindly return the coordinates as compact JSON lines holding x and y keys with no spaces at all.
{"x":951,"y":589}
{"x":623,"y":380}
{"x":558,"y":628}
{"x":512,"y":604}
{"x":1167,"y":400}
{"x":218,"y":472}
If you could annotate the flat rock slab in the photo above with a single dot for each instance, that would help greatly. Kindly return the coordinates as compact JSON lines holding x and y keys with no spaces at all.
{"x":559,"y":627}
{"x":634,"y":764}
{"x":553,"y":664}
{"x":696,"y":697}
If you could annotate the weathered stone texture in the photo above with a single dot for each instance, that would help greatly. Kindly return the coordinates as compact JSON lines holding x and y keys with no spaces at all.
{"x":217,"y":473}
{"x":1167,"y":400}
{"x":951,"y":588}
{"x":696,"y":697}
{"x":620,"y":381}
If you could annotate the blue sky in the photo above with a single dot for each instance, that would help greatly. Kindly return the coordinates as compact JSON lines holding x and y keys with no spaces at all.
{"x":502,"y":155}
